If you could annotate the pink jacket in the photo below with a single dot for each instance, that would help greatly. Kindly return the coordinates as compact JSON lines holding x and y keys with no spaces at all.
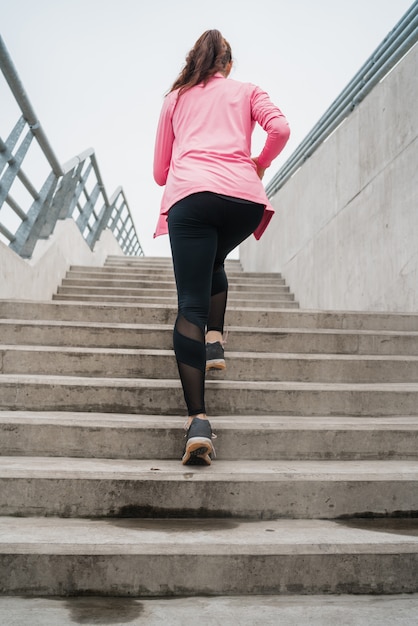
{"x":203,"y":143}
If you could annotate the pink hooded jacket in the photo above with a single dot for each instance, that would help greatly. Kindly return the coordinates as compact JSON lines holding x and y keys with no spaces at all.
{"x":203,"y":143}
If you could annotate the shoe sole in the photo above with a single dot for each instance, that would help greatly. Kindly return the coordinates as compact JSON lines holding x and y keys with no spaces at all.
{"x":216,"y":364}
{"x":197,"y":451}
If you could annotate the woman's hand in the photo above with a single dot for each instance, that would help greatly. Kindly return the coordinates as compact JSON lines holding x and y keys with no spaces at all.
{"x":260,"y":170}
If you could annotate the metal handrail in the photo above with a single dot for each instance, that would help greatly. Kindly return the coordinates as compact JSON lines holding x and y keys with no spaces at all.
{"x":397,"y":43}
{"x":18,"y":90}
{"x":64,"y":194}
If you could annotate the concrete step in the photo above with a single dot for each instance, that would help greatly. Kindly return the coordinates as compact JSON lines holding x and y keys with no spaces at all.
{"x":150,"y":268}
{"x":248,"y":278}
{"x":241,"y":317}
{"x":241,"y":366}
{"x":122,"y":258}
{"x":160,"y":285}
{"x":153,"y":261}
{"x":316,"y":418}
{"x":233,"y":300}
{"x":142,"y":557}
{"x":78,"y":487}
{"x":235,"y":294}
{"x":164,"y":397}
{"x":280,"y":340}
{"x":269,"y":610}
{"x":167,"y":266}
{"x":268,"y":437}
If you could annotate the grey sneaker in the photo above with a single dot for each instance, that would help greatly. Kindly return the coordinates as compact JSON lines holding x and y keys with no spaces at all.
{"x":215,"y":356}
{"x":199,"y":447}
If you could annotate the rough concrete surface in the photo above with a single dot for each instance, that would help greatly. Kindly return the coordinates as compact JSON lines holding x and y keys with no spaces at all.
{"x":331,"y":434}
{"x":399,"y":610}
{"x":344,"y":232}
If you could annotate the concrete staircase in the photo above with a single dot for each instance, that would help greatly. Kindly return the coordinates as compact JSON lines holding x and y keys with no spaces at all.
{"x":315,"y":487}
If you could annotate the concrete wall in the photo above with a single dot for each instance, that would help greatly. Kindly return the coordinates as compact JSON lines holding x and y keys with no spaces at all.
{"x":39,"y":277}
{"x":345,"y":232}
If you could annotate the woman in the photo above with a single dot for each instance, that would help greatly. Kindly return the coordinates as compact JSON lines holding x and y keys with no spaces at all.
{"x":213,"y":200}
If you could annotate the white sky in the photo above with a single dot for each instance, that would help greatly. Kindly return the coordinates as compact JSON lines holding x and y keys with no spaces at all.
{"x":96,"y":71}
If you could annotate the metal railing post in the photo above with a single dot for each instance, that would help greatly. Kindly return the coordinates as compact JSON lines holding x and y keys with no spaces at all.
{"x":29,"y":231}
{"x":17,"y":89}
{"x":65,"y":189}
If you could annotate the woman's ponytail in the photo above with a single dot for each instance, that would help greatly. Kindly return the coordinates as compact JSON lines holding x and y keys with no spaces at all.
{"x":210,"y":54}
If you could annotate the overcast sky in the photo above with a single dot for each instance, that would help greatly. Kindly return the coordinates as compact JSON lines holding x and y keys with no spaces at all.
{"x":96,"y":71}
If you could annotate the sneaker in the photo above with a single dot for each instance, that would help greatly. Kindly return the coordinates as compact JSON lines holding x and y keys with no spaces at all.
{"x":215,"y":356}
{"x":199,"y":446}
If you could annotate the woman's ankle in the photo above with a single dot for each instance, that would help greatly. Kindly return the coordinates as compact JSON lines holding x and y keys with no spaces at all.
{"x":190,"y":419}
{"x":212,"y":336}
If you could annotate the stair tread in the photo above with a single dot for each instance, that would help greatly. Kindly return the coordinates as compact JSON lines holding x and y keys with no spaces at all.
{"x":107,"y":536}
{"x":87,"y":381}
{"x":160,"y":280}
{"x":233,"y":294}
{"x":223,"y":422}
{"x":228,"y":471}
{"x":276,"y":330}
{"x":270,"y":305}
{"x":262,"y":318}
{"x":164,"y":274}
{"x":255,"y":610}
{"x":229,"y":354}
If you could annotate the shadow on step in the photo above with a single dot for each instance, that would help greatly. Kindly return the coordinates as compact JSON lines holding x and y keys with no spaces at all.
{"x":175,"y":525}
{"x":83,"y":610}
{"x":394,"y":525}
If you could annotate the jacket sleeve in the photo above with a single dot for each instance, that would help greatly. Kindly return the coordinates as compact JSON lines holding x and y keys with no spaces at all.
{"x":164,"y":142}
{"x":272,"y":120}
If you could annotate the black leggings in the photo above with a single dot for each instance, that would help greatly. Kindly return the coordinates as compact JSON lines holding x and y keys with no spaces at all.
{"x":204,"y":227}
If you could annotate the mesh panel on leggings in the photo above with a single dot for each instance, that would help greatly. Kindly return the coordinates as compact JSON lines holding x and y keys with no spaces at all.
{"x":219,"y":294}
{"x":189,"y":346}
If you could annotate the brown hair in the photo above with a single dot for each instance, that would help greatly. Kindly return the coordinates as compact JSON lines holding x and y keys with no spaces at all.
{"x":210,"y":54}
